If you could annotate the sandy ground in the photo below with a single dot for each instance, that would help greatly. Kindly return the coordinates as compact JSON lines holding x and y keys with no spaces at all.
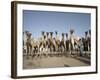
{"x":54,"y":61}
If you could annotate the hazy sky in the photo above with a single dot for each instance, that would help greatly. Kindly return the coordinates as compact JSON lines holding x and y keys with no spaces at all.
{"x":49,"y":21}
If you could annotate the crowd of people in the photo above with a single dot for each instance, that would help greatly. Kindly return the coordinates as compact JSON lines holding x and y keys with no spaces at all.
{"x":48,"y":44}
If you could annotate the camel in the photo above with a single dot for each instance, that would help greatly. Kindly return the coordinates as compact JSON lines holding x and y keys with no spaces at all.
{"x":28,"y":43}
{"x":73,"y":42}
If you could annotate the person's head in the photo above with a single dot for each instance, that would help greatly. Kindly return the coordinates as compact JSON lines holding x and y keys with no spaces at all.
{"x":56,"y":32}
{"x":42,"y":32}
{"x":66,"y":34}
{"x":86,"y":33}
{"x":51,"y":34}
{"x":44,"y":36}
{"x":80,"y":39}
{"x":47,"y":33}
{"x":29,"y":34}
{"x":90,"y":32}
{"x":71,"y":31}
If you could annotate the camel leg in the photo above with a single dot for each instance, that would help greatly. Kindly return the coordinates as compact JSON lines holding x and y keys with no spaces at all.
{"x":27,"y":50}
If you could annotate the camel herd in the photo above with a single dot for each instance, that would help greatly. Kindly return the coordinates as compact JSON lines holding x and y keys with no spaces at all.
{"x":47,"y":44}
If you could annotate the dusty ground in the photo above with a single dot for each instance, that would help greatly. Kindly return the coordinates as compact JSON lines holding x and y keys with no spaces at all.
{"x":54,"y":61}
